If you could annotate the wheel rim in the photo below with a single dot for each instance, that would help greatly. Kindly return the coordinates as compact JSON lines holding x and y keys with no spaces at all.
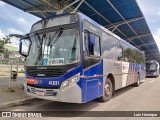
{"x":107,"y":89}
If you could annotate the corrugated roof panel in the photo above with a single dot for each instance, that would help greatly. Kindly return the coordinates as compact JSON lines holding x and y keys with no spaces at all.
{"x":85,"y":9}
{"x":100,"y":5}
{"x":34,"y":2}
{"x":127,"y":8}
{"x":147,"y":52}
{"x":144,"y":48}
{"x":126,"y":30}
{"x":99,"y":19}
{"x":137,"y":41}
{"x":154,"y":51}
{"x":17,"y":4}
{"x":123,"y":36}
{"x":140,"y":27}
{"x":111,"y":15}
{"x":147,"y":39}
{"x":152,"y":46}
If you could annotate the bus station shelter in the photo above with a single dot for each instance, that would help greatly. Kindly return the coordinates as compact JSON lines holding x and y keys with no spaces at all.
{"x":122,"y":17}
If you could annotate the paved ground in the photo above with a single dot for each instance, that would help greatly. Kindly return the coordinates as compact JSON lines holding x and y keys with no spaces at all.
{"x":5,"y":80}
{"x":5,"y":70}
{"x":11,"y":96}
{"x":144,"y":98}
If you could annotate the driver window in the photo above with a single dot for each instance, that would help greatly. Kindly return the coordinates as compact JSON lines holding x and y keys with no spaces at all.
{"x":97,"y":46}
{"x":92,"y":48}
{"x":86,"y":42}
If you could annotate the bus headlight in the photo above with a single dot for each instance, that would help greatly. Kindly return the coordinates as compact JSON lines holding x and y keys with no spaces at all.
{"x":74,"y":79}
{"x":65,"y":83}
{"x":70,"y":81}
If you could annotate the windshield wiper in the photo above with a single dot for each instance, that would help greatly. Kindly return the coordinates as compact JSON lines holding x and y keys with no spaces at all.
{"x":60,"y":33}
{"x":41,"y":52}
{"x":37,"y":37}
{"x":53,"y":37}
{"x":39,"y":46}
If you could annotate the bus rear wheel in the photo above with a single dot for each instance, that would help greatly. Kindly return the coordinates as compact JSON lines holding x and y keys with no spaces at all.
{"x":108,"y":90}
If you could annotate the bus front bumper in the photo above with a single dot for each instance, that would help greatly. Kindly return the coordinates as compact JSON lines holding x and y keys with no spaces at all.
{"x":151,"y":75}
{"x":72,"y":94}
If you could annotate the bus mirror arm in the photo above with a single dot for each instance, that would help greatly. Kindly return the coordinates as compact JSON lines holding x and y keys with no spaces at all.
{"x":20,"y":50}
{"x":17,"y":35}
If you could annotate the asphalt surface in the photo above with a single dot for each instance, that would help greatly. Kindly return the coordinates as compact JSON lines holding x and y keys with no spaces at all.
{"x":146,"y":97}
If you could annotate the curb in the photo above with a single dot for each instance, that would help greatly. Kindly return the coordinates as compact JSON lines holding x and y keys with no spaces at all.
{"x":18,"y":102}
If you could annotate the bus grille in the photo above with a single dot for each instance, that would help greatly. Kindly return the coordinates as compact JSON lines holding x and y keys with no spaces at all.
{"x":45,"y":73}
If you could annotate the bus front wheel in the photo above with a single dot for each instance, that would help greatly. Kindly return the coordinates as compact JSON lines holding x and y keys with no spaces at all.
{"x":108,"y":90}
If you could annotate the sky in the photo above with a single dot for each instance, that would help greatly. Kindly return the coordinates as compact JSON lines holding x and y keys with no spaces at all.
{"x":151,"y":11}
{"x":13,"y":20}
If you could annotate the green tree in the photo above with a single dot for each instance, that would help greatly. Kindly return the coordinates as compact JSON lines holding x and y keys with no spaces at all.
{"x":4,"y":41}
{"x":133,"y":56}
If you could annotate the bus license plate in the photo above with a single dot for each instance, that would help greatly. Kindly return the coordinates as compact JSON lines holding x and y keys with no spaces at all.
{"x":39,"y":92}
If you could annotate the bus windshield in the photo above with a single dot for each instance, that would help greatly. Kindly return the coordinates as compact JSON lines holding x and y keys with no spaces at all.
{"x":151,"y":66}
{"x":54,"y":48}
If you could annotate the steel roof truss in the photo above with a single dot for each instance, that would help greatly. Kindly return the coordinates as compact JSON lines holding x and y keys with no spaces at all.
{"x":78,"y":6}
{"x":69,"y":5}
{"x":127,"y":23}
{"x":25,"y":2}
{"x":147,"y":44}
{"x":106,"y":19}
{"x":124,"y":22}
{"x":140,"y":36}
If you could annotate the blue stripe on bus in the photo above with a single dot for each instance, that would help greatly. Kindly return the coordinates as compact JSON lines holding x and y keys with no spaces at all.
{"x":91,"y":87}
{"x":44,"y":82}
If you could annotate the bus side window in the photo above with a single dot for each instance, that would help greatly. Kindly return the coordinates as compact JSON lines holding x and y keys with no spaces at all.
{"x":97,"y":49}
{"x":92,"y":44}
{"x":119,"y":51}
{"x":86,"y":42}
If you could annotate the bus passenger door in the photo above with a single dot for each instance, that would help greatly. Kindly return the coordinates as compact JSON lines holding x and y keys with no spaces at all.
{"x":92,"y":66}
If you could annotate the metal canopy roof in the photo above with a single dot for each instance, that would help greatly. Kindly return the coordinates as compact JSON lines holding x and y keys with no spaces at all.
{"x":123,"y":17}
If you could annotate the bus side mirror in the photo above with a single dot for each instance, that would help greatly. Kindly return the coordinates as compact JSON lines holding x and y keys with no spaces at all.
{"x":91,"y":39}
{"x":24,"y":46}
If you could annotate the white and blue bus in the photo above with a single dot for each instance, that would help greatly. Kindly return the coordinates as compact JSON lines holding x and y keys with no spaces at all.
{"x":152,"y":68}
{"x":71,"y":58}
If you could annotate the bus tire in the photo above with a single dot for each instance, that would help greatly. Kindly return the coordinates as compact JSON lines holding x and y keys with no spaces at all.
{"x":108,"y":90}
{"x":138,"y":81}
